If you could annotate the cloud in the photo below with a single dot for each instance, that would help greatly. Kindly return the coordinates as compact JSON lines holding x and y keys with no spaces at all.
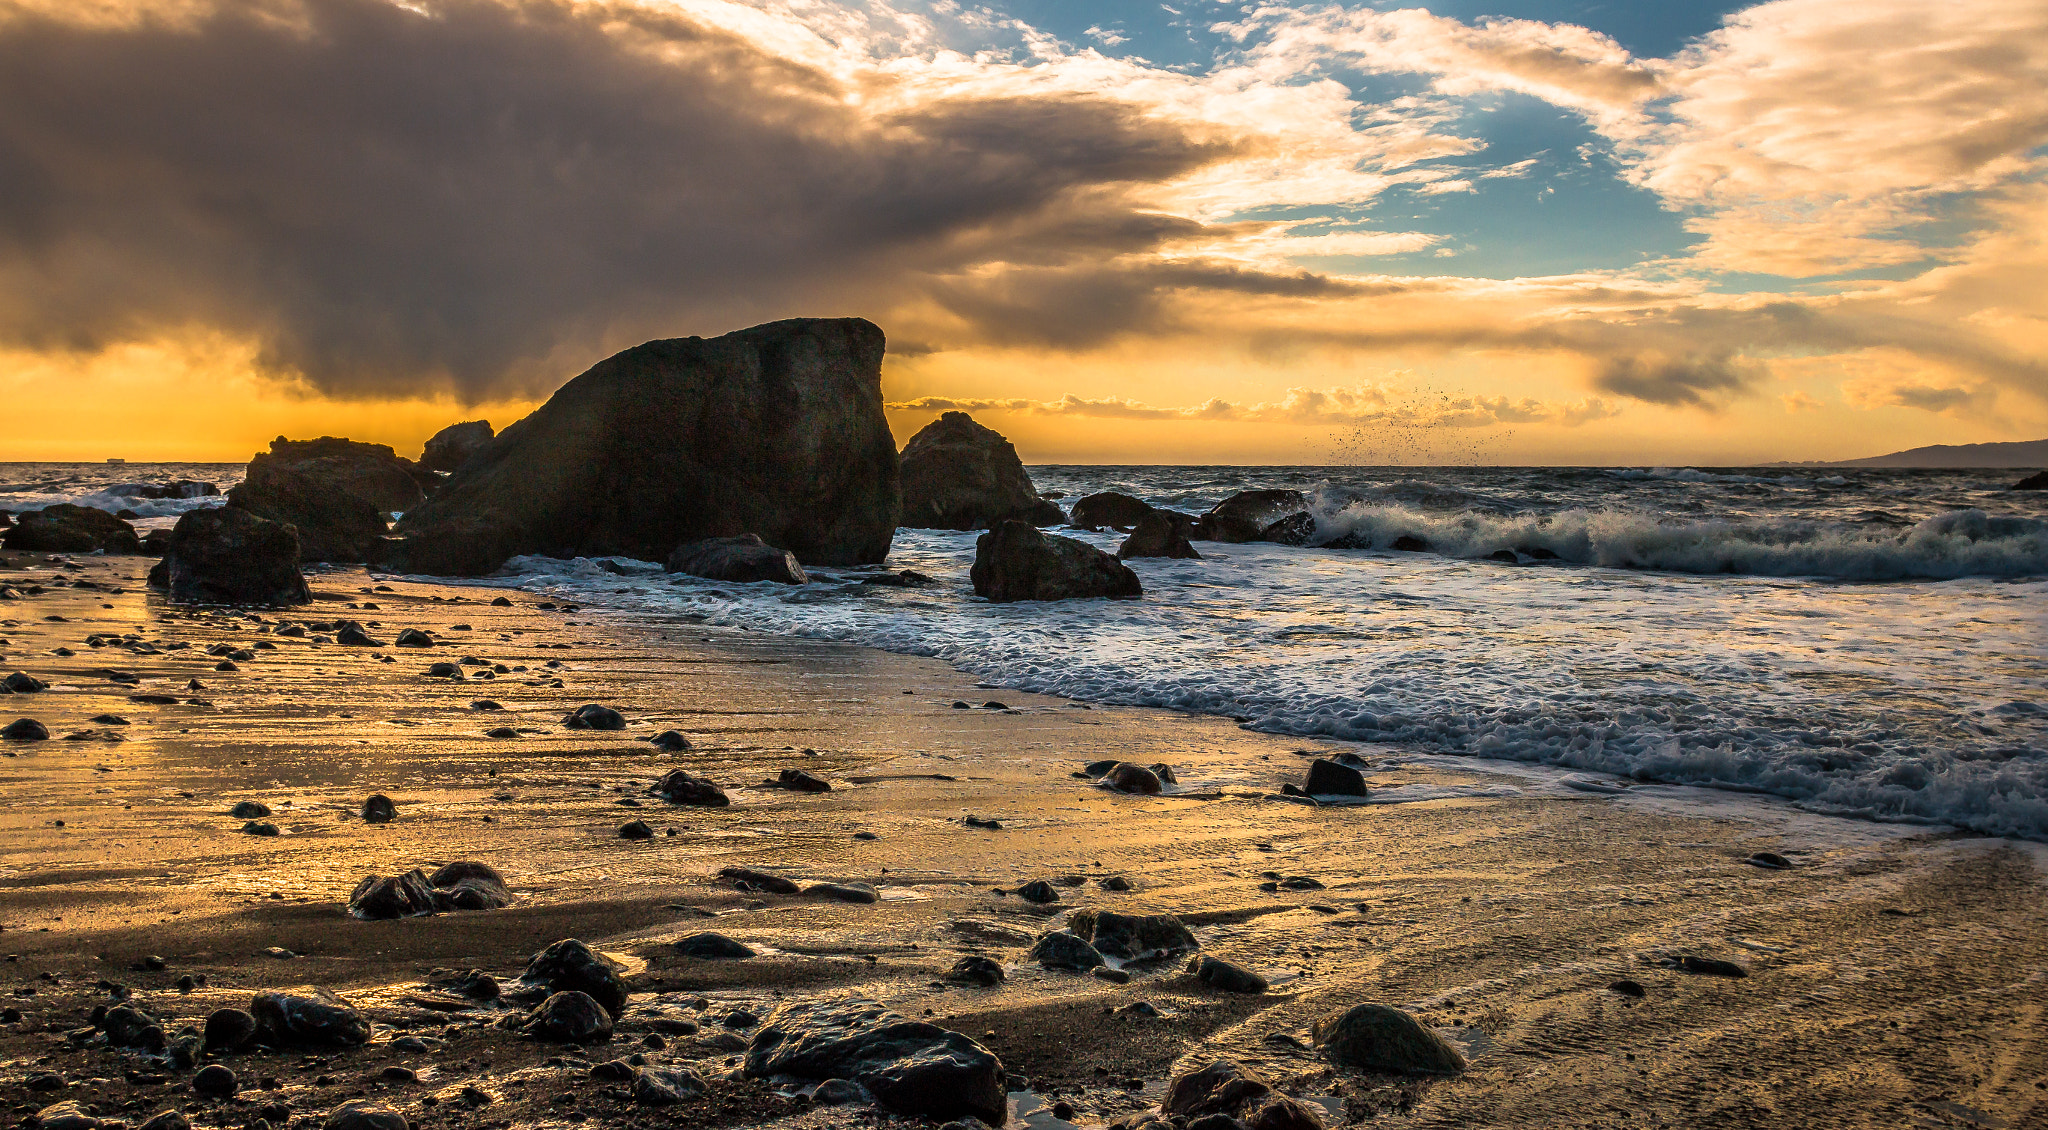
{"x":1310,"y":406}
{"x":1696,"y":382}
{"x":1800,"y":401}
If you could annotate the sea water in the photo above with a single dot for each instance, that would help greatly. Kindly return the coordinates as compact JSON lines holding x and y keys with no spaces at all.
{"x":1870,"y":643}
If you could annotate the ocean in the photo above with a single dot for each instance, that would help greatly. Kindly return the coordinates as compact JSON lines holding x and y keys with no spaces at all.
{"x":1868,"y":643}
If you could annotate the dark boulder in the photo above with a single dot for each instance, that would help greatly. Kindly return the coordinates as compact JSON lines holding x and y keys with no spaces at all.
{"x":215,"y":1081}
{"x":958,"y":475}
{"x":1295,"y":529}
{"x":332,"y":524}
{"x":1375,"y":1037}
{"x":230,"y":556}
{"x":1409,"y":543}
{"x":750,"y":879}
{"x":127,"y":1026}
{"x":378,"y":809}
{"x":1015,"y":561}
{"x":466,"y":885}
{"x":1109,"y":509}
{"x":571,"y":966}
{"x":910,"y":1067}
{"x":25,"y":730}
{"x":1246,"y":515}
{"x":1328,"y":778}
{"x":796,"y":780}
{"x":2036,"y":481}
{"x":229,"y":1029}
{"x":66,"y":528}
{"x":288,"y":1020}
{"x":741,"y":560}
{"x":1063,"y":949}
{"x":635,"y":830}
{"x":1125,"y":777}
{"x":569,"y":1017}
{"x":452,"y":446}
{"x":677,"y":786}
{"x":1133,"y":937}
{"x":656,"y":1086}
{"x":777,"y":430}
{"x":176,"y":488}
{"x":401,"y":896}
{"x":369,"y":471}
{"x":712,"y":947}
{"x":23,"y":683}
{"x":1225,"y":975}
{"x":1160,"y":533}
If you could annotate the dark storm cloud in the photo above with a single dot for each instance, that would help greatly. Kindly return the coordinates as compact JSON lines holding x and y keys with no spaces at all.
{"x":478,"y":192}
{"x":1689,"y":381}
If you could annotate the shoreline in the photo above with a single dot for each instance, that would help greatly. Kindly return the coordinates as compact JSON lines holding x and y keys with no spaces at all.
{"x":1500,"y":918}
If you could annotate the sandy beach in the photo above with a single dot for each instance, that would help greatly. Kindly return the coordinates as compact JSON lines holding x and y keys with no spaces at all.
{"x":1895,"y":975}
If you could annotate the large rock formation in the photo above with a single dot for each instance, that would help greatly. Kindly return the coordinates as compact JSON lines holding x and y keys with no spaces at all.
{"x":370,"y":471}
{"x":334,"y":524}
{"x":1246,"y":515}
{"x":958,"y":475}
{"x":452,"y":446}
{"x":775,"y":430}
{"x":230,"y":556}
{"x":65,"y":528}
{"x":1160,"y":533}
{"x":1014,"y":561}
{"x":1109,"y":508}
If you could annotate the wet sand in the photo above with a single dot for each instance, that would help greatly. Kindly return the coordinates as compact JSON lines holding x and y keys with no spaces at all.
{"x":1897,"y":976}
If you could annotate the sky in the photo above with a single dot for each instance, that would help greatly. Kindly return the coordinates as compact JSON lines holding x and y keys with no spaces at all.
{"x":1462,"y":231}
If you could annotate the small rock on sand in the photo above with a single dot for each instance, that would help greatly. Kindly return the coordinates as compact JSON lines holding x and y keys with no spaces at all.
{"x":1327,"y":778}
{"x":378,"y":809}
{"x":1377,"y":1037}
{"x":666,"y":1086}
{"x":569,"y":1017}
{"x":1061,"y":949}
{"x":911,"y":1068}
{"x":595,"y":717}
{"x":747,"y":878}
{"x":678,"y":786}
{"x":364,"y":1116}
{"x":1038,"y":891}
{"x":708,"y":946}
{"x":25,"y":730}
{"x":669,"y":741}
{"x":975,"y":969}
{"x":570,"y":965}
{"x":1228,"y":976}
{"x":843,"y":892}
{"x":320,"y":1019}
{"x":636,"y":830}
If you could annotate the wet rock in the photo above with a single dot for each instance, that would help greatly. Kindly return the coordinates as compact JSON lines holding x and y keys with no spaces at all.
{"x":1133,"y":937}
{"x":378,"y":809}
{"x":67,"y":528}
{"x":982,"y":822}
{"x":1038,"y":891}
{"x":739,"y":560}
{"x":127,"y":1026}
{"x":1377,"y":1037}
{"x":797,"y":780}
{"x":364,"y":1115}
{"x":1228,"y":1088}
{"x":1770,"y":860}
{"x":1227,"y":976}
{"x":1113,"y":883}
{"x":472,"y":983}
{"x":469,"y":885}
{"x":1016,"y":562}
{"x":1295,"y":529}
{"x":975,"y":969}
{"x":959,"y":475}
{"x":1161,"y":533}
{"x":778,"y":430}
{"x":348,"y":633}
{"x":501,"y":732}
{"x":259,"y":828}
{"x":571,"y":966}
{"x":910,"y":1067}
{"x":21,"y":683}
{"x":452,"y":446}
{"x":2036,"y":481}
{"x":747,"y":878}
{"x":230,"y":556}
{"x":1061,"y":949}
{"x":595,"y":717}
{"x":444,"y":671}
{"x":569,"y":1018}
{"x":228,"y":1030}
{"x":1409,"y":543}
{"x":669,"y":741}
{"x":215,"y":1081}
{"x":25,"y":730}
{"x":66,"y":1116}
{"x":666,"y":1086}
{"x":399,"y":896}
{"x":1109,"y":508}
{"x":1327,"y":778}
{"x":843,"y":892}
{"x":413,"y":637}
{"x":678,"y":786}
{"x":635,"y":830}
{"x":289,"y":1020}
{"x":1247,"y":514}
{"x":1125,"y":777}
{"x":708,"y":946}
{"x":1711,"y":966}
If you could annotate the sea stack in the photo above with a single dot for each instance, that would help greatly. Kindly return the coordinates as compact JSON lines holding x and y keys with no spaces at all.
{"x":775,"y":430}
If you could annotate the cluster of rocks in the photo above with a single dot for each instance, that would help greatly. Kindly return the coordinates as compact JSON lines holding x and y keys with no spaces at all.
{"x":464,"y":885}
